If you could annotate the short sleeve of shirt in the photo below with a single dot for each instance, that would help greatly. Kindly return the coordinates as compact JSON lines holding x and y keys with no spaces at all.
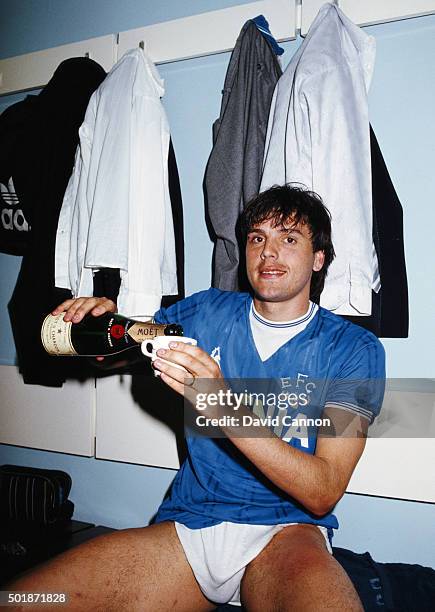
{"x":187,"y":313}
{"x":359,"y":384}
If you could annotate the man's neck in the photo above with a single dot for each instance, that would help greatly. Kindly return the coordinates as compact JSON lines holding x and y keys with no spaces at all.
{"x":282,"y":311}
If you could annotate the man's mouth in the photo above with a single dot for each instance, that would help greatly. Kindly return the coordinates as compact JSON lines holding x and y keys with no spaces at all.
{"x":271,"y":273}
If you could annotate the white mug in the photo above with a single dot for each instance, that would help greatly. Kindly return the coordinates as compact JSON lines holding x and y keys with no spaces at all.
{"x":150,"y":348}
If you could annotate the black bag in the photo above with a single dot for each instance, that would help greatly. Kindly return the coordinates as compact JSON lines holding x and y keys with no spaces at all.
{"x":34,"y":496}
{"x":389,"y":587}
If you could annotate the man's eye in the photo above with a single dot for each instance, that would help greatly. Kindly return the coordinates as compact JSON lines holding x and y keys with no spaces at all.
{"x":256,"y":239}
{"x":290,"y":240}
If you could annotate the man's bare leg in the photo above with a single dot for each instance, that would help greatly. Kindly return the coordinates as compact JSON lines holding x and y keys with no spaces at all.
{"x":296,"y":572}
{"x":134,"y":569}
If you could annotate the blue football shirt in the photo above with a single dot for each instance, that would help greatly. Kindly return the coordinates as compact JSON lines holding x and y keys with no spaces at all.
{"x":331,"y":360}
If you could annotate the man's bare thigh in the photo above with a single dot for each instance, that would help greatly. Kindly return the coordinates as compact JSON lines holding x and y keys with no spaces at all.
{"x":133,"y":569}
{"x":295,"y":571}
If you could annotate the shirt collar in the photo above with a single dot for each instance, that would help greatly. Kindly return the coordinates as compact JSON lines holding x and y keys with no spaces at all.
{"x":312,"y":309}
{"x":150,"y":67}
{"x":364,"y":44}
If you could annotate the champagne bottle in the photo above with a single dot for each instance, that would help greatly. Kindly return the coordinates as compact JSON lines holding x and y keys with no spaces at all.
{"x":104,"y":335}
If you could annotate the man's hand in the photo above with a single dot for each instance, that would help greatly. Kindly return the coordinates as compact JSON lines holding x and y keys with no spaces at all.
{"x":76,"y":308}
{"x":197,"y":364}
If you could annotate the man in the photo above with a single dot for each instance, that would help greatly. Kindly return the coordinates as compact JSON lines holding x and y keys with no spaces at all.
{"x":248,"y":518}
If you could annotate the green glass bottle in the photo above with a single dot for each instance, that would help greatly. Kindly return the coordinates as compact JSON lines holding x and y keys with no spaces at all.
{"x":104,"y":335}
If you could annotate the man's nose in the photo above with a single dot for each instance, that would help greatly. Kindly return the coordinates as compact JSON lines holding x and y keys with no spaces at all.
{"x":269,"y":250}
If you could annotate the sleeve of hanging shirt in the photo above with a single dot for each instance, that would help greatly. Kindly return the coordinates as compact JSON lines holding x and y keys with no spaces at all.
{"x":63,"y":233}
{"x":107,"y":187}
{"x":337,"y":112}
{"x":73,"y":221}
{"x":151,"y":270}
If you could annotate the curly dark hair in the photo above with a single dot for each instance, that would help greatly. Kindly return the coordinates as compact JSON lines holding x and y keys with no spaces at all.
{"x":294,"y":201}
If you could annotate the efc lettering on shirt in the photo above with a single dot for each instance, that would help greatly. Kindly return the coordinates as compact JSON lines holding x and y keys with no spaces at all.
{"x":301,"y":381}
{"x":301,"y":387}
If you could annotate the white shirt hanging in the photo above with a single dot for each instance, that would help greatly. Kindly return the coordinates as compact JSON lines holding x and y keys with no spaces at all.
{"x":116,"y":211}
{"x":318,"y":135}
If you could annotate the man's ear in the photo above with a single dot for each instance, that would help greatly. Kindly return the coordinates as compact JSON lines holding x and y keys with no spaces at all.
{"x":319,"y":260}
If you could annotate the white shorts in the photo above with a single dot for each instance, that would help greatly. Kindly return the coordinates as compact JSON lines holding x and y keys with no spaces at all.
{"x":219,"y":555}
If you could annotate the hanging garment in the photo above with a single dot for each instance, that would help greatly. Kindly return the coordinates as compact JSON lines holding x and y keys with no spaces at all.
{"x":390,"y":317}
{"x":14,"y":208}
{"x":46,"y":146}
{"x":263,"y":26}
{"x":177,"y":216}
{"x":318,"y":135}
{"x":107,"y":280}
{"x":234,"y":168}
{"x":116,"y":211}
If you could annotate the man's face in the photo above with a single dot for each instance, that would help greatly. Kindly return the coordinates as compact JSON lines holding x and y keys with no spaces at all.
{"x":280,"y":261}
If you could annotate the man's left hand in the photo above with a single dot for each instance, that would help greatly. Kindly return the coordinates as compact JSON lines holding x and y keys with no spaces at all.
{"x":197,"y":364}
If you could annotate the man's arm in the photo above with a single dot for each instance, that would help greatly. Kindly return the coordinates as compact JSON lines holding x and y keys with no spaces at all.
{"x":316,"y":481}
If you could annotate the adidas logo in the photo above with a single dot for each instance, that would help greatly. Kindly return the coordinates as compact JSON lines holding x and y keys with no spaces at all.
{"x":12,"y":218}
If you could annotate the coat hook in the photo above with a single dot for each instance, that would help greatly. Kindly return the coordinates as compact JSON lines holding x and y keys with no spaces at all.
{"x":142,"y":45}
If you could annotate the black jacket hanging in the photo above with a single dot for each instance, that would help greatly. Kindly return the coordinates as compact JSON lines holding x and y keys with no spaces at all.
{"x":177,"y":218}
{"x":46,"y":147}
{"x":389,"y":318}
{"x":14,"y":209}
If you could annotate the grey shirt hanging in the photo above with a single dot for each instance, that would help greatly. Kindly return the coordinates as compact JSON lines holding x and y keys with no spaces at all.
{"x":234,"y":168}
